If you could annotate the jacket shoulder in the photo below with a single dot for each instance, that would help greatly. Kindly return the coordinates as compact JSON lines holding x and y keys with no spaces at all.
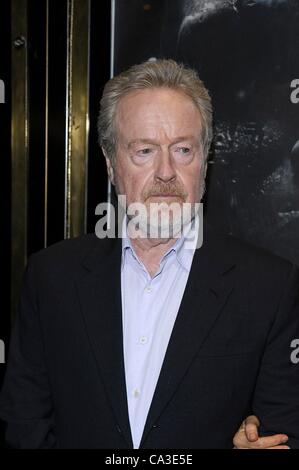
{"x":70,"y":254}
{"x":255,"y":260}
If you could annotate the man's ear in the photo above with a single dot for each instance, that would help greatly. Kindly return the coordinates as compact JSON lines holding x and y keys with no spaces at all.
{"x":110,"y":169}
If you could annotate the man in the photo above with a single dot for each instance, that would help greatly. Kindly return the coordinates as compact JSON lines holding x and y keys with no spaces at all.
{"x":145,"y":342}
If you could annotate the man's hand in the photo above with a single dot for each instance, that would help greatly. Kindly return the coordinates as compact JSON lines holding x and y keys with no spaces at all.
{"x":247,"y":437}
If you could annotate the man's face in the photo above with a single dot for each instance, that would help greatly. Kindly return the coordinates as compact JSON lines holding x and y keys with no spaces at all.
{"x":159,"y":155}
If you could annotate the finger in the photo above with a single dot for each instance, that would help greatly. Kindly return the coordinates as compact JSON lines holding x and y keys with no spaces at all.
{"x":266,"y":442}
{"x":267,"y":448}
{"x":252,"y":419}
{"x":251,"y":428}
{"x":278,"y":447}
{"x":240,"y":441}
{"x":272,"y":441}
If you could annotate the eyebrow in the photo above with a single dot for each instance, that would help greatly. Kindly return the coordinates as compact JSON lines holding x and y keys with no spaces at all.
{"x":154,"y":142}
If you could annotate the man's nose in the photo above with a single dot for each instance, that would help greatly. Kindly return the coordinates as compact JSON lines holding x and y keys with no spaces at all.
{"x":165,"y":170}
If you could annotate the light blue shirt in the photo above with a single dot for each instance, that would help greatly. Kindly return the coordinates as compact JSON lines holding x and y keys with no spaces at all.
{"x":149,"y":310}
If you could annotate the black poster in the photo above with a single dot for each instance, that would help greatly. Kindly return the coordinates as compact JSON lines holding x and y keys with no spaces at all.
{"x":246,"y":52}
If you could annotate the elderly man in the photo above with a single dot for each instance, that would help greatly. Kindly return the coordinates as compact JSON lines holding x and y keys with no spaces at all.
{"x":149,"y":342}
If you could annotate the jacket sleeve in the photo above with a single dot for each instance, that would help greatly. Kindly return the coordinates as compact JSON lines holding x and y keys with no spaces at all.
{"x":276,"y":397}
{"x":25,"y":400}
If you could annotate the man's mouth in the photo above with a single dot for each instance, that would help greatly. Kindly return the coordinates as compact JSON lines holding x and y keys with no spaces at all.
{"x":166,"y":196}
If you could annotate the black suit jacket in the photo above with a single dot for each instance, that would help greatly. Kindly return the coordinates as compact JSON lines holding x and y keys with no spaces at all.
{"x":228,"y":356}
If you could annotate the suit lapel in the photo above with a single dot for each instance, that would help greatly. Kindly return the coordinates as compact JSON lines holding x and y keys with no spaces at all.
{"x":100,"y":299}
{"x":209,"y":285}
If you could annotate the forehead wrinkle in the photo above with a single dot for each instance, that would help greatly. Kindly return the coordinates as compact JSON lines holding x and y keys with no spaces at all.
{"x":156,"y":131}
{"x":159,"y":123}
{"x":186,"y":138}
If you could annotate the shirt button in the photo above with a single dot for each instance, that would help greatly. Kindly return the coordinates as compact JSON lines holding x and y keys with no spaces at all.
{"x":148,"y":289}
{"x":143,"y":340}
{"x":136,"y":393}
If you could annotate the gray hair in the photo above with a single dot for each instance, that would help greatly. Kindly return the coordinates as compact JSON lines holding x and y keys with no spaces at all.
{"x":153,"y":74}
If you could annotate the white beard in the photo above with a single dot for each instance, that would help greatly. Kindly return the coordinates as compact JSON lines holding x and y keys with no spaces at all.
{"x":161,"y":220}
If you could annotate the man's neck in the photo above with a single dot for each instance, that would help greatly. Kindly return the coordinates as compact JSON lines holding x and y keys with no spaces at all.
{"x":151,"y":250}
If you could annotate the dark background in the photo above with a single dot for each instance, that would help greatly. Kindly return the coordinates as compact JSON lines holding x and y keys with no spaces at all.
{"x":97,"y":188}
{"x":5,"y":180}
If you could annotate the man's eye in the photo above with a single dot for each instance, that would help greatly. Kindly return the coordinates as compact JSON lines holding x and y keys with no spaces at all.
{"x":145,"y":151}
{"x":184,"y":150}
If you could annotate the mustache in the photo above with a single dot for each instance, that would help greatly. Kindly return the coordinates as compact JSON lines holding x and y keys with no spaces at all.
{"x":165,"y":189}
